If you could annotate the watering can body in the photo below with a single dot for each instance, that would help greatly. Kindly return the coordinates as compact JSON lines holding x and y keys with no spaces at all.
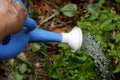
{"x":14,"y":44}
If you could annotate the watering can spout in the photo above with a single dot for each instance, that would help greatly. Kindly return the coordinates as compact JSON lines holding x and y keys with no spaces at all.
{"x":40,"y":35}
{"x":73,"y":38}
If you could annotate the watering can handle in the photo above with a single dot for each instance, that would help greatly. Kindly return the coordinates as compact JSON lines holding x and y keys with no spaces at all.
{"x":14,"y":44}
{"x":30,"y":24}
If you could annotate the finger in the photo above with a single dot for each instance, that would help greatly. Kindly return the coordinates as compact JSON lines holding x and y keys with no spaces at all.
{"x":25,"y":12}
{"x":1,"y":5}
{"x":10,"y":6}
{"x":23,"y":15}
{"x":20,"y":9}
{"x":5,"y":2}
{"x":18,"y":6}
{"x":11,"y":2}
{"x":2,"y":2}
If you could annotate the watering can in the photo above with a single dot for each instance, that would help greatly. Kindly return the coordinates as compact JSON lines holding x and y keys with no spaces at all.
{"x":14,"y":44}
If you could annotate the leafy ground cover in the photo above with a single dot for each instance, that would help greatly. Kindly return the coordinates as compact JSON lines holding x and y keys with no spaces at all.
{"x":55,"y":61}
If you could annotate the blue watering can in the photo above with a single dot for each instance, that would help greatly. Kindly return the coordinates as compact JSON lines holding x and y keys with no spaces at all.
{"x":14,"y":44}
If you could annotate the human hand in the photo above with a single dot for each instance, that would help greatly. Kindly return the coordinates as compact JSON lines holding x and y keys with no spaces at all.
{"x":12,"y":17}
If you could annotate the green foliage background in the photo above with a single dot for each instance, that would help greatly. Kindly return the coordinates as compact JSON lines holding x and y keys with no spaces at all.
{"x":99,"y":19}
{"x":103,"y":22}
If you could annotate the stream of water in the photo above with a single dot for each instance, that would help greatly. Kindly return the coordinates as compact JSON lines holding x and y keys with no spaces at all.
{"x":96,"y":51}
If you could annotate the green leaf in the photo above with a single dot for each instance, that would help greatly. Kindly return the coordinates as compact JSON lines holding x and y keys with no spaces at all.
{"x":16,"y":76}
{"x":114,"y":16}
{"x":90,"y":8}
{"x":118,"y":24}
{"x":117,"y":69}
{"x":105,"y":23}
{"x":94,"y":16}
{"x":103,"y":17}
{"x":84,"y":24}
{"x":23,"y":68}
{"x":69,"y":10}
{"x":109,"y":27}
{"x":82,"y":58}
{"x":35,"y":47}
{"x":118,"y":53}
{"x":118,"y":37}
{"x":91,"y":74}
{"x":118,"y":1}
{"x":100,"y":2}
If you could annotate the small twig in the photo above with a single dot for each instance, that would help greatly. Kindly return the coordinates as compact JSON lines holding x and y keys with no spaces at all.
{"x":47,"y":19}
{"x":65,"y":23}
{"x":52,"y":4}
